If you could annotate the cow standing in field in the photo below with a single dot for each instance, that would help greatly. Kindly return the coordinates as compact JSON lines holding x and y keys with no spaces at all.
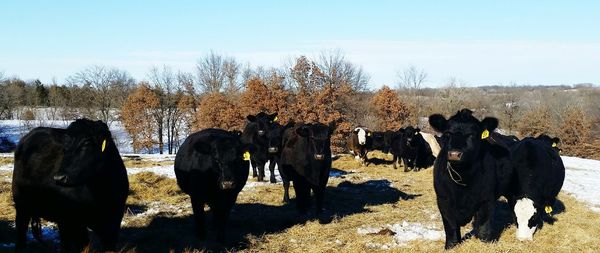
{"x":74,"y":177}
{"x":540,"y":175}
{"x":274,"y":140}
{"x":255,"y":133}
{"x":469,"y":175}
{"x":306,"y":160}
{"x":417,"y":152}
{"x":211,"y":166}
{"x":397,"y":147}
{"x":359,"y":143}
{"x":382,"y":141}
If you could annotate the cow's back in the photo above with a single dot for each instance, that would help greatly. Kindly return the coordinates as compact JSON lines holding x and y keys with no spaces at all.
{"x":433,"y":144}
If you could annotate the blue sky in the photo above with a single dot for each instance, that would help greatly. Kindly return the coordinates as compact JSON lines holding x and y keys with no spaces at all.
{"x":477,"y":42}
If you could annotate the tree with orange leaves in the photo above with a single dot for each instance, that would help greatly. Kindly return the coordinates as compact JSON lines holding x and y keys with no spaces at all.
{"x":136,"y":115}
{"x":217,"y":111}
{"x":391,"y":112}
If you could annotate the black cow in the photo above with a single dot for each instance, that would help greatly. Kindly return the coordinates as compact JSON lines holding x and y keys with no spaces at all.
{"x":540,"y":175}
{"x":417,"y":152}
{"x":306,"y":160}
{"x":255,"y":134}
{"x":359,"y":143}
{"x":397,"y":147}
{"x":212,"y":167}
{"x":382,"y":141}
{"x":469,"y":174}
{"x":274,"y":141}
{"x":74,"y":177}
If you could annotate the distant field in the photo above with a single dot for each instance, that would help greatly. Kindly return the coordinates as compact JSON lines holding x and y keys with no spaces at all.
{"x":372,"y":208}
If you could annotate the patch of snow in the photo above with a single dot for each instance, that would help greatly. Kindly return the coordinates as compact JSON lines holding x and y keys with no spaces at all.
{"x":49,"y":234}
{"x":403,"y":233}
{"x":166,"y":171}
{"x":582,"y":180}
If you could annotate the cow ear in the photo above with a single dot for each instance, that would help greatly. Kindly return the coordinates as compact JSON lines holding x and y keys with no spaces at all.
{"x":556,"y":140}
{"x":302,"y":131}
{"x":438,"y":122}
{"x":102,"y":134}
{"x":417,"y":130}
{"x":251,"y":118}
{"x":273,"y":117}
{"x":331,"y":127}
{"x":489,"y":123}
{"x":202,"y":148}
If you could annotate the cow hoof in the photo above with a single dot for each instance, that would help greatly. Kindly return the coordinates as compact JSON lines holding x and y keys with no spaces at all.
{"x":273,"y":180}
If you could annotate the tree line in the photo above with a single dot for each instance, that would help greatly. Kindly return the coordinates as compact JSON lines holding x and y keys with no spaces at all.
{"x":161,"y":110}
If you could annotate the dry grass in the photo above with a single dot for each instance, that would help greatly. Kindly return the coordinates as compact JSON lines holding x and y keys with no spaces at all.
{"x":6,"y":160}
{"x":370,"y":196}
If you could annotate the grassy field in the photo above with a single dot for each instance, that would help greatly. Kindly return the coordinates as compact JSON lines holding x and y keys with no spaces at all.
{"x":159,"y":217}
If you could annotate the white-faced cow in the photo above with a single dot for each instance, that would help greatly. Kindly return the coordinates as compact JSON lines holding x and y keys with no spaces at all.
{"x":359,"y":143}
{"x":255,"y":134}
{"x":306,"y":160}
{"x":212,"y":167}
{"x":540,"y":175}
{"x":469,"y":174}
{"x":74,"y":177}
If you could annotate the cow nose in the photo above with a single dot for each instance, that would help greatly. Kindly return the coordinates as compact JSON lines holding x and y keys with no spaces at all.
{"x":319,"y":157}
{"x":261,"y":132}
{"x":273,"y":150}
{"x":61,"y":178}
{"x":454,"y":155}
{"x":225,"y":185}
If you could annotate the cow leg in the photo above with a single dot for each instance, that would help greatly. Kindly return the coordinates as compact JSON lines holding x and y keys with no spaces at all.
{"x":286,"y":190}
{"x":221,"y":213}
{"x":452,"y":231}
{"x":199,"y":216}
{"x":405,"y":164}
{"x":319,"y":192}
{"x":109,"y":233}
{"x":21,"y":224}
{"x":73,"y":238}
{"x":395,"y":161}
{"x":274,"y":161}
{"x":302,"y":195}
{"x":483,"y":222}
{"x":261,"y":171}
{"x":253,"y":165}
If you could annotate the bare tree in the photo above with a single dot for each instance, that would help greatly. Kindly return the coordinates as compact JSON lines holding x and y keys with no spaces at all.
{"x":109,"y":88}
{"x":338,"y":71}
{"x":231,"y":70}
{"x":210,"y":72}
{"x":412,"y":80}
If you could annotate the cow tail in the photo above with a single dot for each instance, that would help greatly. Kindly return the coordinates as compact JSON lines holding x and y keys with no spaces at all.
{"x":36,"y":228}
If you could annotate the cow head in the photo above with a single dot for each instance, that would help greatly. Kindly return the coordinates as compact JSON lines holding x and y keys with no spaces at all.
{"x":379,"y":141}
{"x":410,"y":135}
{"x":86,"y":145}
{"x":274,"y":136}
{"x":319,"y":138}
{"x":362,"y":134}
{"x":228,"y":158}
{"x":463,"y":134}
{"x":262,"y":121}
{"x":528,"y":218}
{"x":551,"y":142}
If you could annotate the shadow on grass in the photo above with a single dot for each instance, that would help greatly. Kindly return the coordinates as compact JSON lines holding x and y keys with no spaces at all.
{"x":249,"y":221}
{"x":379,"y":161}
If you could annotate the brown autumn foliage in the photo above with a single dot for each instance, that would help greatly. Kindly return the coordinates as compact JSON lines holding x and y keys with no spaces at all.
{"x":261,"y":97}
{"x":535,"y":121}
{"x":217,"y":111}
{"x":575,"y":134}
{"x":390,"y":111}
{"x":136,"y":115}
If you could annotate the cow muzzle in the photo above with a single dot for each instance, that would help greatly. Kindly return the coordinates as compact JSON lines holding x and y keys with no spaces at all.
{"x":226,"y":185}
{"x":61,"y":179}
{"x":454,"y":155}
{"x":273,"y":150}
{"x":319,"y":157}
{"x":261,"y":132}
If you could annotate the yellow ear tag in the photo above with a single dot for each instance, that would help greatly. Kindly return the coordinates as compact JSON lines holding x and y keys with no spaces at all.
{"x":275,"y":119}
{"x":548,"y":209}
{"x":485,"y":134}
{"x":416,"y":133}
{"x":103,"y":145}
{"x":554,"y":145}
{"x":369,"y":134}
{"x":246,"y":156}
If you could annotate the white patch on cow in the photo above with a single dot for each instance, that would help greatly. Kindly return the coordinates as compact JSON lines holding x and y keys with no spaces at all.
{"x":362,"y":135}
{"x":357,"y":157}
{"x":524,"y":210}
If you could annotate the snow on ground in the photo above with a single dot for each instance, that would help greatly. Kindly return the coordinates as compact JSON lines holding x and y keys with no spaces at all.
{"x":582,"y":180}
{"x":403,"y":233}
{"x":49,"y":234}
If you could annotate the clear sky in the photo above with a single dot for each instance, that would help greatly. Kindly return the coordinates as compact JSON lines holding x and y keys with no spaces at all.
{"x":478,"y":42}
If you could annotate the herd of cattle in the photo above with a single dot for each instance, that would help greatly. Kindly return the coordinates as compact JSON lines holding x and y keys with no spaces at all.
{"x":76,"y":177}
